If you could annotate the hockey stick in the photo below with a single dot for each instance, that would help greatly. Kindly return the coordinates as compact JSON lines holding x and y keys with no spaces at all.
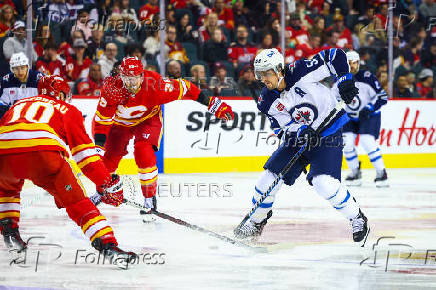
{"x":191,"y":226}
{"x":132,"y":189}
{"x":291,"y":163}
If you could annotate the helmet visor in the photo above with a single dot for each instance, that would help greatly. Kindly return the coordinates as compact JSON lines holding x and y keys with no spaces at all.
{"x":263,"y":74}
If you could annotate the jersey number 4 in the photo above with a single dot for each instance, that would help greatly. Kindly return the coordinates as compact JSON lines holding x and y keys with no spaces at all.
{"x":38,"y":112}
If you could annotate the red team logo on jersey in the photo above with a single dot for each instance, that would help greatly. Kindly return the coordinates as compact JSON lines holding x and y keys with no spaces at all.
{"x":280,"y":106}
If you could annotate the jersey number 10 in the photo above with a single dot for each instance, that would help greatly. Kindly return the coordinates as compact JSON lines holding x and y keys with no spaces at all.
{"x":37,"y":112}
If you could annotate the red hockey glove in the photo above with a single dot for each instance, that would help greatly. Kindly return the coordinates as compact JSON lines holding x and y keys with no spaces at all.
{"x":112,"y":191}
{"x":220,"y":109}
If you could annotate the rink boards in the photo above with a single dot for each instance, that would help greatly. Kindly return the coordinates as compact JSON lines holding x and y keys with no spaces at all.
{"x":194,"y":141}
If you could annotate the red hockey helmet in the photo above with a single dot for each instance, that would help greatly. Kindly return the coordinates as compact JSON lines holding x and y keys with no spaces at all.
{"x":52,"y":86}
{"x":131,"y":66}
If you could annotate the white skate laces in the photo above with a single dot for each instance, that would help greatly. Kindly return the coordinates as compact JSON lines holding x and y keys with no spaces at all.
{"x":357,"y":224}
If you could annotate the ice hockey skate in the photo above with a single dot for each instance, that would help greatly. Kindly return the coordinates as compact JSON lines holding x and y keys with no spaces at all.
{"x":251,"y":229}
{"x":360,"y":228}
{"x":381,"y":179}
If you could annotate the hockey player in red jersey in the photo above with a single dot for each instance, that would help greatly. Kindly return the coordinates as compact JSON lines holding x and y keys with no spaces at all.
{"x":34,"y":138}
{"x":130,"y":106}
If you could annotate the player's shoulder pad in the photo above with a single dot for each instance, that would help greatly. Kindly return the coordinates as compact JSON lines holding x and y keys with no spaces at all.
{"x":266,"y":99}
{"x":33,"y":79}
{"x":367,"y":77}
{"x":300,"y":68}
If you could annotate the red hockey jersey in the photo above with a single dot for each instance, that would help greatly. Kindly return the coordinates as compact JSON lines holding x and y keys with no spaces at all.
{"x":45,"y":124}
{"x":118,"y":106}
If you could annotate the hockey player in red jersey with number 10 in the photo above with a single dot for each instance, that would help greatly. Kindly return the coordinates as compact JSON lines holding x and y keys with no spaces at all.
{"x":130,"y":106}
{"x":34,"y":135}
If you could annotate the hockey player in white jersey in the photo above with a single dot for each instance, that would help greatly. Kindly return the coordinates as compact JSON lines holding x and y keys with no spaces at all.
{"x":21,"y":83}
{"x":296,"y":103}
{"x":364,"y":112}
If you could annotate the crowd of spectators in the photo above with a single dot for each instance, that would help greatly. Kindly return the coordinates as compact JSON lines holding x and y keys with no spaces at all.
{"x":213,"y":43}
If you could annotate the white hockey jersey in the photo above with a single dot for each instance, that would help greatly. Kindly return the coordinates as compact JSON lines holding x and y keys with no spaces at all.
{"x":306,"y":101}
{"x":371,"y":94}
{"x":12,"y":90}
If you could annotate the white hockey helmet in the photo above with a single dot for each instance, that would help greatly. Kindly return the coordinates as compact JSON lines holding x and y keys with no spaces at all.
{"x":353,"y":56}
{"x":268,"y":59}
{"x":18,"y":59}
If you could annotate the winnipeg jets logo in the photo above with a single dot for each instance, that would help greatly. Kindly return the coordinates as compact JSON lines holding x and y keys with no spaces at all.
{"x":355,"y":104}
{"x":304,"y":114}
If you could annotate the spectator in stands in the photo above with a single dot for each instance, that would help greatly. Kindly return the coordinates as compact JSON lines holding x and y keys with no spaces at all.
{"x":427,"y":8}
{"x":148,"y":10}
{"x":332,"y":39}
{"x":272,"y":27}
{"x":428,"y":58}
{"x":136,"y":50}
{"x":78,"y":65}
{"x":366,"y":18}
{"x":173,"y":48}
{"x":425,"y":85}
{"x":209,"y":26}
{"x":267,"y":41}
{"x":290,"y":53}
{"x":104,"y":10}
{"x":220,"y":80}
{"x":225,"y":15}
{"x":107,"y":60}
{"x":382,"y":13}
{"x":344,"y":39}
{"x":198,"y":74}
{"x":240,"y":14}
{"x":411,"y":81}
{"x":411,"y":52}
{"x":66,"y":49}
{"x":382,"y":76}
{"x":152,"y":45}
{"x":17,"y":43}
{"x":7,"y":20}
{"x":318,"y":27}
{"x":43,"y":37}
{"x":127,"y":12}
{"x":119,"y":35}
{"x":215,"y":48}
{"x":48,"y":63}
{"x":174,"y":69}
{"x":241,"y":51}
{"x":247,"y":84}
{"x":401,"y":90}
{"x":9,"y":3}
{"x":96,"y":44}
{"x":184,"y":29}
{"x":83,"y":23}
{"x":298,"y":33}
{"x":307,"y":50}
{"x":91,"y":86}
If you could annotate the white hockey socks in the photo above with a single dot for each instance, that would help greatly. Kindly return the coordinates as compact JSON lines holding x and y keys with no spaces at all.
{"x":374,"y":153}
{"x":337,"y":194}
{"x":350,"y":152}
{"x":264,"y":182}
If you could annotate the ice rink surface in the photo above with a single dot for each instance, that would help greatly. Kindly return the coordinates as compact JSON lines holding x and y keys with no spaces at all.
{"x":305,"y":245}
